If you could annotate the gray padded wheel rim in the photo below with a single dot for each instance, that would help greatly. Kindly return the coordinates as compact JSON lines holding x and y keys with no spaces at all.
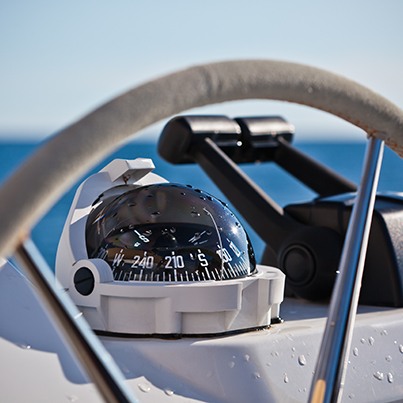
{"x":58,"y":164}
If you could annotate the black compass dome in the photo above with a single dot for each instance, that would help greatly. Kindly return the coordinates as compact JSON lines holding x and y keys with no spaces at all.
{"x":167,"y":232}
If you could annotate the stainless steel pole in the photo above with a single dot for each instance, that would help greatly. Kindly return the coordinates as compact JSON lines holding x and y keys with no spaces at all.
{"x":93,"y":357}
{"x":328,"y":380}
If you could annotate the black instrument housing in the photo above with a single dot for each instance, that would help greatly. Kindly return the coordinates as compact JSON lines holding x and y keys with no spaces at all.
{"x":383,"y":274}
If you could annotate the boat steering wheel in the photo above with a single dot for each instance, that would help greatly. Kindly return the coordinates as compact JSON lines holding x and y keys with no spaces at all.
{"x":51,"y":170}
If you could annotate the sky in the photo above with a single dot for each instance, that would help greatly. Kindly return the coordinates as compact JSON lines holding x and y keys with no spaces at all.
{"x":61,"y":59}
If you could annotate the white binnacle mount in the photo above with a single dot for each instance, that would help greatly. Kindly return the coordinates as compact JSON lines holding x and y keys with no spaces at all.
{"x":155,"y":307}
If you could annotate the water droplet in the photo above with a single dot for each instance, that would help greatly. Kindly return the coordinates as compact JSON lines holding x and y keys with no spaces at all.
{"x":355,"y":351}
{"x":195,"y":214}
{"x":401,"y":348}
{"x":285,"y":379}
{"x":390,"y":377}
{"x":183,"y":193}
{"x":371,"y":341}
{"x":384,"y":332}
{"x":231,"y":364}
{"x":301,"y":360}
{"x":256,"y":375}
{"x":168,"y":392}
{"x":378,"y":375}
{"x":246,"y":357}
{"x":388,"y":358}
{"x":25,"y":346}
{"x":202,"y":198}
{"x":362,"y":341}
{"x":351,"y":396}
{"x":144,"y":387}
{"x":293,"y":349}
{"x":155,"y":213}
{"x":72,"y":398}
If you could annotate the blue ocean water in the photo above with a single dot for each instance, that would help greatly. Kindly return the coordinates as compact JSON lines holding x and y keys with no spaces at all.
{"x":345,"y":158}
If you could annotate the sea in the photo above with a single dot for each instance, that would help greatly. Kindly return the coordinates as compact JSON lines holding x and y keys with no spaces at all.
{"x":344,"y":157}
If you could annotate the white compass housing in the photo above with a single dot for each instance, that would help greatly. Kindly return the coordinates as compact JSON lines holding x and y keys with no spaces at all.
{"x":141,"y":256}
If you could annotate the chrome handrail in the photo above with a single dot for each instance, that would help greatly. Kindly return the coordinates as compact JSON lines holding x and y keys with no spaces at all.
{"x":328,"y":380}
{"x":93,"y":357}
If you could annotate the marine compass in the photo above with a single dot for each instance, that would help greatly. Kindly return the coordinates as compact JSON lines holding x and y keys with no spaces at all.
{"x":141,"y":256}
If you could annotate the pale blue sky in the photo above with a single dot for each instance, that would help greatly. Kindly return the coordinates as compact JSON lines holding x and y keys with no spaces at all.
{"x":60,"y":59}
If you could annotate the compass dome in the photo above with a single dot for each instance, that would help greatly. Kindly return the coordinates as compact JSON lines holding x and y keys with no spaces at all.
{"x":167,"y":232}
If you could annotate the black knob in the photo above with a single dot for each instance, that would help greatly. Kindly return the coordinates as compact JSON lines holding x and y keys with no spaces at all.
{"x":310,"y":259}
{"x":84,"y":281}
